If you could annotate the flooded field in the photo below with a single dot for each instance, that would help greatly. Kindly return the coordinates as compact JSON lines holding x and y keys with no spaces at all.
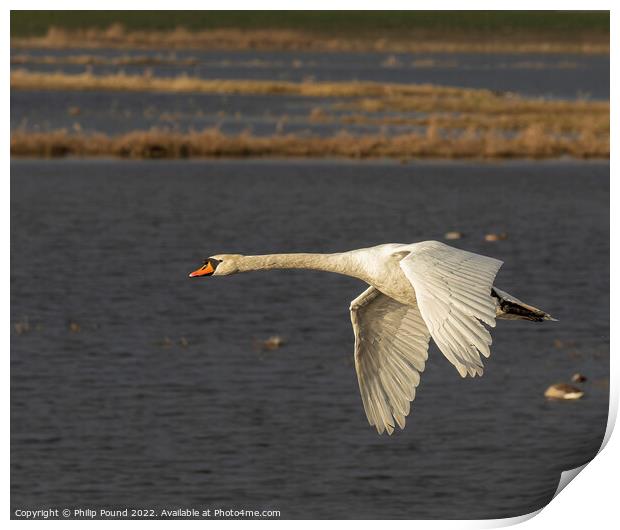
{"x":308,"y":104}
{"x":135,"y":386}
{"x":112,"y":112}
{"x":551,"y":76}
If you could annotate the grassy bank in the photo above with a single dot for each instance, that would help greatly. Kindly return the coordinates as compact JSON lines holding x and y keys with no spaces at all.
{"x":25,"y":80}
{"x":117,"y":36}
{"x":553,"y":123}
{"x":449,"y":110}
{"x":85,"y":60}
{"x":533,"y":142}
{"x":396,"y":31}
{"x":447,"y":107}
{"x":29,"y":23}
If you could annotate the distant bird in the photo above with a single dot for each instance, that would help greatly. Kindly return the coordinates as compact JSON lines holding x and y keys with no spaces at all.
{"x":496,"y":237}
{"x":417,"y":291}
{"x":563,"y":391}
{"x":272,"y":343}
{"x":454,"y":234}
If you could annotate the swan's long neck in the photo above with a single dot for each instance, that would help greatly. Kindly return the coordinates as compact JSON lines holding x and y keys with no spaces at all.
{"x":341,"y":263}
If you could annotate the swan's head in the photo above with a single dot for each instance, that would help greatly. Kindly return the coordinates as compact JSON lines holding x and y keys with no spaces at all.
{"x":220,"y":265}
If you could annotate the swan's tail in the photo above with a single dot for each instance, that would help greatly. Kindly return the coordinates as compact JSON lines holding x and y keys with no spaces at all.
{"x":511,"y":308}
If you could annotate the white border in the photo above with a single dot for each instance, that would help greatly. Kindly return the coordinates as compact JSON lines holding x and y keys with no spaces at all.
{"x":591,"y":499}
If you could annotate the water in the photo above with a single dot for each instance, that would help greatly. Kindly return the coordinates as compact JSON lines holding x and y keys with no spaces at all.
{"x":111,"y":112}
{"x":117,"y":112}
{"x":121,"y":414}
{"x":554,"y":75}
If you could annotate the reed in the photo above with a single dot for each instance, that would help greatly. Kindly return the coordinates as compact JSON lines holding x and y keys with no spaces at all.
{"x":533,"y":142}
{"x":459,"y":121}
{"x":474,"y":101}
{"x":25,"y":80}
{"x":558,"y":123}
{"x":449,"y":107}
{"x":419,"y":41}
{"x":86,"y":60}
{"x":369,"y":96}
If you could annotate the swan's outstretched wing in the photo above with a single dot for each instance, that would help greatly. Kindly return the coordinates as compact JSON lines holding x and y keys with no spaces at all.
{"x":453,"y":290}
{"x":391,"y":348}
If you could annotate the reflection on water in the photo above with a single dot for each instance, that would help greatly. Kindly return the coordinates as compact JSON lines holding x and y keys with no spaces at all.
{"x":115,"y":113}
{"x":134,"y":386}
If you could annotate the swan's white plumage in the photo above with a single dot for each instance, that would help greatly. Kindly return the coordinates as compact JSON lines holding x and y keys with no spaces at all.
{"x":452,"y":296}
{"x":391,"y":348}
{"x":453,"y":290}
{"x":416,"y":291}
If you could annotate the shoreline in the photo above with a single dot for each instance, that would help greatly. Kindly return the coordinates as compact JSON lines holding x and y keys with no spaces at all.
{"x":22,"y":79}
{"x":560,"y":160}
{"x":442,"y":110}
{"x":211,"y":143}
{"x":229,"y":39}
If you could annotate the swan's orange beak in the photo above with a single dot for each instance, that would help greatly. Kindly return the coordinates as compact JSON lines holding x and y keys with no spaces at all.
{"x":206,"y":270}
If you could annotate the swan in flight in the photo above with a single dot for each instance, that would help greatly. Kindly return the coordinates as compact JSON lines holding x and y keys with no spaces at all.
{"x":415,"y":292}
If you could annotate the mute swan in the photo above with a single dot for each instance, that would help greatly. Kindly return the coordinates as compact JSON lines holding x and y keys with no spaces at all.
{"x":417,"y":291}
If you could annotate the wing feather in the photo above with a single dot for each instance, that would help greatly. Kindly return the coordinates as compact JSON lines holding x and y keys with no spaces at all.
{"x":391,"y":348}
{"x":453,"y":291}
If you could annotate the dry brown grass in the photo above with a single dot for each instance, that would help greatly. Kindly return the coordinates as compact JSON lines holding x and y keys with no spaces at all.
{"x":474,"y":101}
{"x":25,"y":80}
{"x":364,"y":96}
{"x":370,"y":96}
{"x":459,"y":122}
{"x":533,"y":142}
{"x":483,"y":110}
{"x":126,"y":60}
{"x":558,"y":123}
{"x":277,"y":39}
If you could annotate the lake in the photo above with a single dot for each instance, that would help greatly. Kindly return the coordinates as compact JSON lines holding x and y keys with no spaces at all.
{"x":133,"y":386}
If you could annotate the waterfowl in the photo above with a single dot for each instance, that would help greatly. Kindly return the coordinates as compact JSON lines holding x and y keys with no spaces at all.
{"x":563,"y":391}
{"x":496,"y":237}
{"x":272,"y":343}
{"x":415,"y":292}
{"x":454,"y":234}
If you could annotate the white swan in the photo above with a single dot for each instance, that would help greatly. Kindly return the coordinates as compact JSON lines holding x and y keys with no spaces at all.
{"x":416,"y":291}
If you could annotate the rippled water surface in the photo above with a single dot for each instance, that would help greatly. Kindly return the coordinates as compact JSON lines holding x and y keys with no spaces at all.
{"x":114,"y":112}
{"x":552,"y":75}
{"x":132,"y":385}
